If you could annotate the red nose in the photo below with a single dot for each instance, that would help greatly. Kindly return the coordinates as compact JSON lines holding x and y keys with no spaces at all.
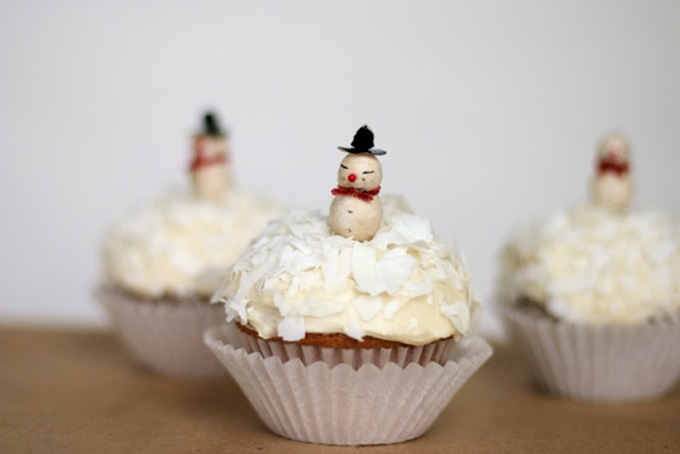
{"x":352,"y":178}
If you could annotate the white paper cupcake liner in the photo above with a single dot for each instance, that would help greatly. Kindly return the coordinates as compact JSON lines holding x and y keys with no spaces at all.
{"x":319,"y":403}
{"x":605,"y":363}
{"x":166,"y":336}
{"x":308,"y":354}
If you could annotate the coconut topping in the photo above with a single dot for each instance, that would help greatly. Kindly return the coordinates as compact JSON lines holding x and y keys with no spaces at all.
{"x":591,"y":265}
{"x":182,"y":244}
{"x":402,"y":285}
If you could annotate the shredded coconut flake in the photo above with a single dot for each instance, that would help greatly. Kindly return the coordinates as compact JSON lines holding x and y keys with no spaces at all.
{"x":363,"y":269}
{"x":353,"y":329}
{"x":368,"y":307}
{"x":292,"y":328}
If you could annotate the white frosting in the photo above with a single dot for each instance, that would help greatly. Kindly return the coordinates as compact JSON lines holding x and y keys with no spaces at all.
{"x":403,"y":285}
{"x":181,"y":244}
{"x":588,"y":265}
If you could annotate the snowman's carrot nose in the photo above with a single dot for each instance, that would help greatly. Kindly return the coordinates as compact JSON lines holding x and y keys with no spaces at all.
{"x":352,"y":178}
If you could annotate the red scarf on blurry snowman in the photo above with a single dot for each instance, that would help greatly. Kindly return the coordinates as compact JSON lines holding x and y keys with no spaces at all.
{"x":201,"y":159}
{"x":619,"y":168}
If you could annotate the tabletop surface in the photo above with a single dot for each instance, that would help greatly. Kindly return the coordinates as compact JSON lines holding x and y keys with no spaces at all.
{"x":77,"y":391}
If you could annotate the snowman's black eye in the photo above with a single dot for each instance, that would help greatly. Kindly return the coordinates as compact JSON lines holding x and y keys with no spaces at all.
{"x":343,"y":166}
{"x":366,"y":172}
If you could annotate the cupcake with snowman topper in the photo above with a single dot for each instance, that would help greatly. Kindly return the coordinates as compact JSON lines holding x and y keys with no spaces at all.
{"x":164,"y":260}
{"x":367,"y":298}
{"x":592,"y":293}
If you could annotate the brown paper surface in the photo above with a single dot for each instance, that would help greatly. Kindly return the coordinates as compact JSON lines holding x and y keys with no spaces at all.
{"x":78,"y":391}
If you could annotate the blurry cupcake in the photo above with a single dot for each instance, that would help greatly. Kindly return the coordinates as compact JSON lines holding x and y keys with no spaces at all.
{"x":592,"y":293}
{"x":163,"y":261}
{"x":352,"y":328}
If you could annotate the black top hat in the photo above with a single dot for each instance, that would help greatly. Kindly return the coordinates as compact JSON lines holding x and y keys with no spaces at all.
{"x":211,"y":126}
{"x":363,"y":143}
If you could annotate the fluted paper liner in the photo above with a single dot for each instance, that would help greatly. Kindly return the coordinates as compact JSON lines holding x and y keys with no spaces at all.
{"x":339,"y":404}
{"x":604,"y":363}
{"x":308,"y":354}
{"x":165,"y":336}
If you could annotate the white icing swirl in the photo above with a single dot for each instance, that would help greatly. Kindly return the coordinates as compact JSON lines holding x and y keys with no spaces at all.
{"x":588,"y":265}
{"x":182,"y":245}
{"x":403,"y":285}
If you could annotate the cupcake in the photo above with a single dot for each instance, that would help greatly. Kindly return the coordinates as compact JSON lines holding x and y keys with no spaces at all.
{"x":163,"y":261}
{"x":592,"y":293}
{"x":352,"y":328}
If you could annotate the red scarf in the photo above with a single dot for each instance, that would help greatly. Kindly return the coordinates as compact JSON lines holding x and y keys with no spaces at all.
{"x":200,"y":160}
{"x":366,"y":196}
{"x":613,"y":167}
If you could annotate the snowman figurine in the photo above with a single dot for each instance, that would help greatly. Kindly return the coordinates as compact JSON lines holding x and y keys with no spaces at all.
{"x":611,"y":187}
{"x":209,"y":167}
{"x":356,"y":211}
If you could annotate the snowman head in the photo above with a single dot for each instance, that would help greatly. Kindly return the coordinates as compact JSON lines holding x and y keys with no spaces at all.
{"x":212,"y":141}
{"x":211,"y":146}
{"x":613,"y":150}
{"x":361,"y":171}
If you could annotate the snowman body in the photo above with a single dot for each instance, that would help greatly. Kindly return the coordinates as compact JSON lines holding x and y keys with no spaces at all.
{"x":211,"y":182}
{"x":611,"y":192}
{"x":356,"y":211}
{"x":210,"y":170}
{"x":355,"y":218}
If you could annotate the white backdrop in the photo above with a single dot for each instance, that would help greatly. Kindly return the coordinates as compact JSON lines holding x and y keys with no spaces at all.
{"x":489,"y":112}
